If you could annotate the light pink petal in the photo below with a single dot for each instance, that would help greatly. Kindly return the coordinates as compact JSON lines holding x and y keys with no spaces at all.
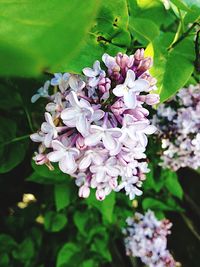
{"x":150,"y":129}
{"x":142,"y":138}
{"x":48,"y":139}
{"x":68,"y":114}
{"x":98,"y":114}
{"x":113,"y":172}
{"x":119,"y":90}
{"x":130,"y":78}
{"x":109,"y":141}
{"x":67,"y":164}
{"x":57,"y":145}
{"x":100,"y":175}
{"x":73,"y":99}
{"x":82,"y":125}
{"x":84,"y":191}
{"x":93,"y":139}
{"x":89,"y":72}
{"x":36,"y":137}
{"x":130,"y":99}
{"x":100,"y":194}
{"x":46,"y":127}
{"x":140,"y":85}
{"x":51,"y":107}
{"x":49,"y":119}
{"x":55,"y":156}
{"x":115,"y":132}
{"x":85,"y":162}
{"x":96,"y":67}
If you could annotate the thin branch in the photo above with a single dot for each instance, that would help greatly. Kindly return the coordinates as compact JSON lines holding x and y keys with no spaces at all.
{"x":190,"y":225}
{"x":16,"y":139}
{"x":197,"y":52}
{"x":183,"y":36}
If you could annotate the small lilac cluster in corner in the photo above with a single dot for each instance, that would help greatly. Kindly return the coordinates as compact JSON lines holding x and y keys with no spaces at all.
{"x":178,"y":121}
{"x":146,"y":238}
{"x":96,"y":124}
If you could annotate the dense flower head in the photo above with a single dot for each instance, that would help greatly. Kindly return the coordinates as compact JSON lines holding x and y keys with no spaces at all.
{"x":146,"y":238}
{"x":178,"y":121}
{"x":96,"y":124}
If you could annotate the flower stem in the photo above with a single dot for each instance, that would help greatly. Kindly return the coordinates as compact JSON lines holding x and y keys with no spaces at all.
{"x":16,"y":139}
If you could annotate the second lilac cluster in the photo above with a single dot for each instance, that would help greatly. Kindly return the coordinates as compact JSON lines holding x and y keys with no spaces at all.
{"x":178,"y":121}
{"x":96,"y":125}
{"x":146,"y":238}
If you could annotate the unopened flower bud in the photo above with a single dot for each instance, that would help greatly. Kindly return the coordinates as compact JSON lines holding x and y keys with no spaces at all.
{"x":84,"y":191}
{"x":152,"y":99}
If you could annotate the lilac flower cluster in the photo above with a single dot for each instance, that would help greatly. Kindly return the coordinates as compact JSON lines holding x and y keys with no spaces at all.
{"x":95,"y":124}
{"x":146,"y":238}
{"x":178,"y":121}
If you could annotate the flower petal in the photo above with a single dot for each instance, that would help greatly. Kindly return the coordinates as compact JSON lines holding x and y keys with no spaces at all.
{"x":85,"y":162}
{"x":55,"y":156}
{"x":93,"y":139}
{"x":140,"y":85}
{"x":119,"y":90}
{"x":130,"y":78}
{"x":89,"y":72}
{"x":130,"y":99}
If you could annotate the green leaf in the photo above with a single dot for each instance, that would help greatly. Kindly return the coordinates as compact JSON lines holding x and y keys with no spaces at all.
{"x":89,"y":263}
{"x":181,"y":5}
{"x":54,"y":222}
{"x":25,"y":251}
{"x":12,"y":149}
{"x":173,"y":185}
{"x":67,"y":251}
{"x":4,"y":260}
{"x":80,"y":220}
{"x":37,"y":178}
{"x":143,"y":29}
{"x":171,"y":68}
{"x":42,"y":34}
{"x":106,"y":207}
{"x":8,"y":243}
{"x":43,"y":175}
{"x":99,"y":246}
{"x":154,"y":204}
{"x":62,"y":195}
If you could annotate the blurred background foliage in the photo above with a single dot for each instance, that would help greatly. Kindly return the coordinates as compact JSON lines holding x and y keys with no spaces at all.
{"x":43,"y":222}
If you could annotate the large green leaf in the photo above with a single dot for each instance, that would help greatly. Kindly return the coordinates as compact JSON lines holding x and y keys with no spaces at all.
{"x":54,"y":222}
{"x":109,"y":34}
{"x":173,"y":185}
{"x":62,"y":195}
{"x":106,"y":207}
{"x":67,"y":251}
{"x":144,"y":30}
{"x":172,"y":68}
{"x":37,"y":35}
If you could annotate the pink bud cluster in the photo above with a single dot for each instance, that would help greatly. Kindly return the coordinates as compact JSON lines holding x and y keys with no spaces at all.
{"x":146,"y":238}
{"x":96,"y":125}
{"x":178,"y":121}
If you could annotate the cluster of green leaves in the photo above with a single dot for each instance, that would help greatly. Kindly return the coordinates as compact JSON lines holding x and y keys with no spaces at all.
{"x":43,"y":36}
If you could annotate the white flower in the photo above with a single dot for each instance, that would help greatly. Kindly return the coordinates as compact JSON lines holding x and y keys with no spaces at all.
{"x":107,"y":168}
{"x":50,"y":130}
{"x":65,"y":156}
{"x":130,"y":88}
{"x":94,"y":74}
{"x":42,"y":92}
{"x":62,"y":80}
{"x":80,"y":114}
{"x":107,"y":136}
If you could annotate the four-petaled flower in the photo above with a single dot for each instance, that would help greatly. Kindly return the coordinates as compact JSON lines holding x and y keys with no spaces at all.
{"x":130,"y":89}
{"x":94,"y":74}
{"x":65,"y":156}
{"x":80,"y":114}
{"x":62,"y":80}
{"x":42,"y":92}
